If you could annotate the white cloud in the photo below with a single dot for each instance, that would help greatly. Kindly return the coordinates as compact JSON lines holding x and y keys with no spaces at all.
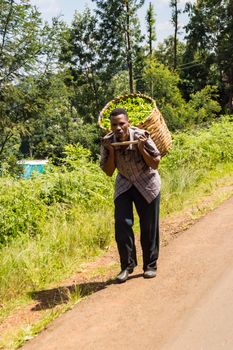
{"x":183,"y":2}
{"x":163,"y":26}
{"x":163,"y":30}
{"x":180,"y":2}
{"x":49,"y":8}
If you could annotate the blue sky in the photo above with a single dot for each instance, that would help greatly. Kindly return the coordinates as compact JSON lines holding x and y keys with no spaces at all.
{"x":51,"y":8}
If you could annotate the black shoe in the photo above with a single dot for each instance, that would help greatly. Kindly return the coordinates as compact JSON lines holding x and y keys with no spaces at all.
{"x":149,"y":274}
{"x":123,"y":275}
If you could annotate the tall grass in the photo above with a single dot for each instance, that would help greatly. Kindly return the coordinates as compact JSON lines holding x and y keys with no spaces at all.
{"x":198,"y":157}
{"x":29,"y":264}
{"x":49,"y":224}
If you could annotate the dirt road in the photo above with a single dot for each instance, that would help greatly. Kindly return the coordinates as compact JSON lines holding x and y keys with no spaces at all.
{"x":188,"y":306}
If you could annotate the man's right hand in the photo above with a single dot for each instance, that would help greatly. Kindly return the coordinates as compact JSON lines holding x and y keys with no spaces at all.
{"x":109,"y":166}
{"x":108,"y":146}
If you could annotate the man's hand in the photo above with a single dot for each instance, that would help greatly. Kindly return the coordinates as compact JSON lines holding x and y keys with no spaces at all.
{"x":151,"y":161}
{"x":141,"y":143}
{"x":108,"y":146}
{"x":109,"y":166}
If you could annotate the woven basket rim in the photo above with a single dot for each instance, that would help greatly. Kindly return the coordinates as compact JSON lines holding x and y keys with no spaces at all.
{"x":123,"y":97}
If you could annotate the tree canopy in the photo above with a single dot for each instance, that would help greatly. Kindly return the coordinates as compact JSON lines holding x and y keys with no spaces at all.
{"x":55,"y":78}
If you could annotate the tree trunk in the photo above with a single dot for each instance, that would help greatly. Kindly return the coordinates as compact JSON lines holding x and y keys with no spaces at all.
{"x":129,"y":48}
{"x":175,"y":36}
{"x":3,"y":144}
{"x":230,"y":99}
{"x":150,"y":30}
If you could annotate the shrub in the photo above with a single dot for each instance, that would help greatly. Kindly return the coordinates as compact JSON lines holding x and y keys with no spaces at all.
{"x":194,"y":155}
{"x":27,"y":206}
{"x":163,"y":85}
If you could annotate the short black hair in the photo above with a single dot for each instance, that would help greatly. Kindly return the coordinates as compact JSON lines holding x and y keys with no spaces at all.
{"x":118,"y":111}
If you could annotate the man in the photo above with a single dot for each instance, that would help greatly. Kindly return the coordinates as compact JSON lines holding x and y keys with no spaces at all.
{"x":137,"y":182}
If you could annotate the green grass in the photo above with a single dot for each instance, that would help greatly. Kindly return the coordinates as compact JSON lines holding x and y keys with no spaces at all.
{"x":29,"y":264}
{"x":177,"y":195}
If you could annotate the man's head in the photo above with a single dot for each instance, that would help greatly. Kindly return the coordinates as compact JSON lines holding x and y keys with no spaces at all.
{"x":120,"y":124}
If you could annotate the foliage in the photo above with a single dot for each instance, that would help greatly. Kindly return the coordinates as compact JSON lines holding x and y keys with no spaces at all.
{"x":29,"y":204}
{"x":209,"y":43}
{"x":88,"y":135}
{"x":81,"y":50}
{"x":202,"y":148}
{"x":119,"y":84}
{"x":164,"y":87}
{"x":137,"y":108}
{"x":112,"y":41}
{"x":28,"y":51}
{"x":52,"y":126}
{"x":204,"y":104}
{"x":19,"y":38}
{"x":69,"y":237}
{"x":120,"y":48}
{"x":195,"y":154}
{"x":162,"y":82}
{"x":165,"y":53}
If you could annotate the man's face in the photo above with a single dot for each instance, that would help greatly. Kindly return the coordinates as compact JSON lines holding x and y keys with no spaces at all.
{"x":120,"y":125}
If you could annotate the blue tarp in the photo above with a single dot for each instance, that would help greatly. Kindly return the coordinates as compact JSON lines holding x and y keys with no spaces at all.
{"x":32,"y":168}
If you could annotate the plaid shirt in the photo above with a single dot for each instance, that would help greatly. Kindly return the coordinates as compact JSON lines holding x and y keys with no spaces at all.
{"x":132,"y":169}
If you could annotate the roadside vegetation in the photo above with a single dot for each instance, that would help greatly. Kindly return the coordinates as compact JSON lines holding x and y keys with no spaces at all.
{"x":52,"y":223}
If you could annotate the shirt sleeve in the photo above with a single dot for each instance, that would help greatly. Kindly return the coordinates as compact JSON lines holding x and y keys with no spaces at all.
{"x":103,"y":156}
{"x":151,"y":148}
{"x":109,"y":138}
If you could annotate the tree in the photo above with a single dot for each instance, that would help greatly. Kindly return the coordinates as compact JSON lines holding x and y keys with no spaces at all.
{"x":165,"y":52}
{"x":48,"y":130}
{"x":209,"y":40}
{"x":178,"y":114}
{"x":82,"y":54}
{"x":120,"y":44}
{"x":109,"y":14}
{"x":150,"y":22}
{"x":19,"y":45}
{"x":174,"y":20}
{"x":19,"y":39}
{"x":27,"y":49}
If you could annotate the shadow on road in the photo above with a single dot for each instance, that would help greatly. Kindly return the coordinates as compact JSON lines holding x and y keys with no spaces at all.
{"x":49,"y":298}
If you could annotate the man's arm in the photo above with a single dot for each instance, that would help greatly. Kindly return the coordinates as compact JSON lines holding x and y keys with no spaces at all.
{"x":108,"y":166}
{"x":151,"y":161}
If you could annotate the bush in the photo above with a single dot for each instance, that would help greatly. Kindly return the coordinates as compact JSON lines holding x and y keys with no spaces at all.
{"x":27,"y":206}
{"x":163,"y":85}
{"x":194,"y":155}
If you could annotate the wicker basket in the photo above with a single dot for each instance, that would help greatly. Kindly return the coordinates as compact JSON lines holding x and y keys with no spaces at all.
{"x":154,"y":123}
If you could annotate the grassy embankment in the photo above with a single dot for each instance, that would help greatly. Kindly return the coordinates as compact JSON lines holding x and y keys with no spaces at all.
{"x":50,"y":224}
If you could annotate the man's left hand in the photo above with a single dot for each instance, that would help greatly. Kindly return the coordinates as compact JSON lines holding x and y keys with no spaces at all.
{"x":141,"y":143}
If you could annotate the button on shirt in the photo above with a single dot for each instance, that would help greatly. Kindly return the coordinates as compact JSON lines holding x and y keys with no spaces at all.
{"x":132,"y":169}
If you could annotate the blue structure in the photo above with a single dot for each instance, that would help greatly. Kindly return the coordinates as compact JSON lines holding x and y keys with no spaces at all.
{"x":32,"y":166}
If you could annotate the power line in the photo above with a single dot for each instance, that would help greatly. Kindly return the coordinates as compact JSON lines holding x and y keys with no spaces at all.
{"x":189,"y":63}
{"x":191,"y":66}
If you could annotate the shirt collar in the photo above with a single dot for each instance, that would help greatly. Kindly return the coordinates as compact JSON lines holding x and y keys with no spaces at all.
{"x":131,"y":137}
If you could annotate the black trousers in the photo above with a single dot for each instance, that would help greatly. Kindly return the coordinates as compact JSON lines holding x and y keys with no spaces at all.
{"x":149,"y":229}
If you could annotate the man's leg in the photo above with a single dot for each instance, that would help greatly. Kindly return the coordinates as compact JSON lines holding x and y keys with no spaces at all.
{"x":149,"y":225}
{"x":123,"y":230}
